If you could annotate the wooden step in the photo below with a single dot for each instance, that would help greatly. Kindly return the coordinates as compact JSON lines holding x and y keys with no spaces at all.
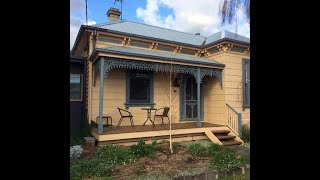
{"x":220,"y":137}
{"x":220,"y":131}
{"x":230,"y":143}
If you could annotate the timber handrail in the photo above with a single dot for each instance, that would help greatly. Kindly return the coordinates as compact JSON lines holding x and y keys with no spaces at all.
{"x":234,"y":120}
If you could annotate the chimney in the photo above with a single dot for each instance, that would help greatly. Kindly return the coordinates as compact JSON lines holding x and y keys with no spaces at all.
{"x":113,"y":14}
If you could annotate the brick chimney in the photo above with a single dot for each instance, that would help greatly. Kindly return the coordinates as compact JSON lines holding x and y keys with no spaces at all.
{"x":113,"y":14}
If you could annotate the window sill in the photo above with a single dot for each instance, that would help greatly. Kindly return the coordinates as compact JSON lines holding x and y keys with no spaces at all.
{"x":139,"y":105}
{"x":245,"y":107}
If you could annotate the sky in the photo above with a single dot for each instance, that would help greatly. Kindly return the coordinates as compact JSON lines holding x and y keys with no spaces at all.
{"x":191,"y":16}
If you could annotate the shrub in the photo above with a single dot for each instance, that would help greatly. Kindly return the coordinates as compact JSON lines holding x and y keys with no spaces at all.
{"x":75,"y":152}
{"x":246,"y":133}
{"x":226,"y":160}
{"x":198,"y":149}
{"x":214,"y":149}
{"x":142,"y":149}
{"x":92,"y":167}
{"x":114,"y":154}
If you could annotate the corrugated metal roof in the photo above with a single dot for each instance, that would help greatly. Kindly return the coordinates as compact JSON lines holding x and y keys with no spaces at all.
{"x":160,"y":55}
{"x":145,"y":30}
{"x":130,"y":27}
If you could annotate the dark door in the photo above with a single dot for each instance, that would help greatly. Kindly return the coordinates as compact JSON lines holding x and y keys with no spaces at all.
{"x":188,"y":99}
{"x":191,"y":99}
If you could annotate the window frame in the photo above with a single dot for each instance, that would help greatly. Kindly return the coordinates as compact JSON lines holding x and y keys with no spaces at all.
{"x":139,"y":104}
{"x":81,"y":88}
{"x":246,"y":89}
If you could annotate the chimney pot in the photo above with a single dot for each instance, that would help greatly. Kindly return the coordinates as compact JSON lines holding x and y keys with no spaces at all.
{"x":113,"y":14}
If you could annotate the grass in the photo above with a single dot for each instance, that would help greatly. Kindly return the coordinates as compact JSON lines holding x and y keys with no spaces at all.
{"x":114,"y":154}
{"x":204,"y":143}
{"x":198,"y":149}
{"x":100,"y":164}
{"x":143,"y":149}
{"x":105,"y":157}
{"x":226,"y":160}
{"x":238,"y":177}
{"x":169,"y":175}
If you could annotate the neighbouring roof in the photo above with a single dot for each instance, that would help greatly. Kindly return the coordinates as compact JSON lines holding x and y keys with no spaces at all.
{"x":159,"y":54}
{"x":226,"y":35}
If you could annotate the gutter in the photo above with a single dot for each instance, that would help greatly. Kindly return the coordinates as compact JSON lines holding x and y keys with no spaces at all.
{"x":155,"y":57}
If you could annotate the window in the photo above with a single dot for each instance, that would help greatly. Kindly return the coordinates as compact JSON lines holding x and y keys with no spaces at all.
{"x":75,"y":87}
{"x":246,"y":82}
{"x":139,"y":87}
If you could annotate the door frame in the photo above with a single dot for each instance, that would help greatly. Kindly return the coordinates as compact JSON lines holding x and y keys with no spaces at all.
{"x":182,"y":91}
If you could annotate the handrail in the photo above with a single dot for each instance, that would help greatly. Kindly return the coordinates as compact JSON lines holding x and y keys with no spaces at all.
{"x":234,"y":119}
{"x":231,"y":108}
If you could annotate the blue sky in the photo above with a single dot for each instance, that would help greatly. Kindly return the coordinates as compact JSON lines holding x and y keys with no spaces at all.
{"x":181,"y":15}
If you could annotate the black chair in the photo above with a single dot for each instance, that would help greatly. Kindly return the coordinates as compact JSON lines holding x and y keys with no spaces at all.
{"x":163,"y":115}
{"x":121,"y":111}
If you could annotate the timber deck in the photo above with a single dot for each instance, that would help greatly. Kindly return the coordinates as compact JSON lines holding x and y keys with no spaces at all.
{"x":128,"y":135}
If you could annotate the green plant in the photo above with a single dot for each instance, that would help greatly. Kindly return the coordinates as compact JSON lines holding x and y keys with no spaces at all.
{"x":226,"y":160}
{"x":214,"y":149}
{"x":92,"y":167}
{"x":76,"y":140}
{"x":246,"y":133}
{"x":198,"y":149}
{"x":114,"y":154}
{"x":143,"y":149}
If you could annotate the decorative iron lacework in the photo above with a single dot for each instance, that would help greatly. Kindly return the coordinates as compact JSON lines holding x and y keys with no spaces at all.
{"x":112,"y":63}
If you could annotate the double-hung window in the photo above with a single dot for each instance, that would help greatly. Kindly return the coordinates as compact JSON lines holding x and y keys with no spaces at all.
{"x":76,"y":87}
{"x":139,"y":90}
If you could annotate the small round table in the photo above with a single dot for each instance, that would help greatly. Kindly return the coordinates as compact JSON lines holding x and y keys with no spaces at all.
{"x":149,"y":115}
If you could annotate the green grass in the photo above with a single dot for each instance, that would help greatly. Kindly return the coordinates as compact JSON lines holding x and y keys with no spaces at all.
{"x":90,"y":167}
{"x":143,"y":149}
{"x":205,"y":143}
{"x":198,"y":149}
{"x":227,"y":160}
{"x":114,"y":154}
{"x":238,"y":177}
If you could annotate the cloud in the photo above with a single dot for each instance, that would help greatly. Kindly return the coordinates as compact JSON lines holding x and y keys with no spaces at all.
{"x":200,"y":16}
{"x":77,"y":18}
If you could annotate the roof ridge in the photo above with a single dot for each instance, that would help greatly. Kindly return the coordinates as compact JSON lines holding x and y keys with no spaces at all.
{"x":108,"y":23}
{"x":166,"y":28}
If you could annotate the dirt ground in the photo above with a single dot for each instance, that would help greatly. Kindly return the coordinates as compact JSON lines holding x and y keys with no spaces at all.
{"x":163,"y":162}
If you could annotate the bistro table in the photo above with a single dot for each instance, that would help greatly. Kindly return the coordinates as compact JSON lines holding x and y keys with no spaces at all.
{"x":149,"y":115}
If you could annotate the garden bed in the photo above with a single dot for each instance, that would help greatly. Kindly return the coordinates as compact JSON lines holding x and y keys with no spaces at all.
{"x":153,"y":161}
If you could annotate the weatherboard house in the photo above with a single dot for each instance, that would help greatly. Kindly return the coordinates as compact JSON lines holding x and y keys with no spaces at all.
{"x":130,"y":66}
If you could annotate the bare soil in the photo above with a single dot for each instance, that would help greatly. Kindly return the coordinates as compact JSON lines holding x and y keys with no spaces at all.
{"x":163,"y":162}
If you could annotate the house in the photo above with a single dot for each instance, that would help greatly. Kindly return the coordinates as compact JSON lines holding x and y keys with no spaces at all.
{"x":131,"y":66}
{"x":77,"y":98}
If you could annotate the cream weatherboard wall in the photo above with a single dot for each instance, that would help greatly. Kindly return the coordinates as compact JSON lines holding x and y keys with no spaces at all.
{"x":115,"y":96}
{"x":233,"y":83}
{"x":214,"y":102}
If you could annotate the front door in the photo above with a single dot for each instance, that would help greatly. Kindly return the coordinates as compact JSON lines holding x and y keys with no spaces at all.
{"x":189,"y":103}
